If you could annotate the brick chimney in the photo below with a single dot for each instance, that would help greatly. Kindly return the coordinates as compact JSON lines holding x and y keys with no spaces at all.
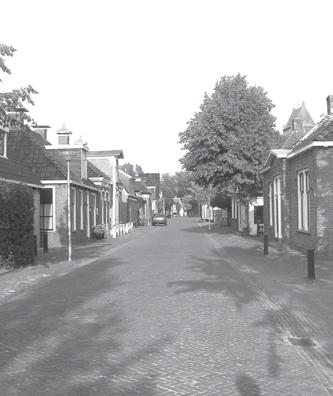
{"x":63,"y":135}
{"x":329,"y":101}
{"x":41,"y":130}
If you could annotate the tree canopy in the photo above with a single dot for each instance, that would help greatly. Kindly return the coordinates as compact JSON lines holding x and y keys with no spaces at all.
{"x":132,"y":170}
{"x":228,"y":139}
{"x":14,"y":100}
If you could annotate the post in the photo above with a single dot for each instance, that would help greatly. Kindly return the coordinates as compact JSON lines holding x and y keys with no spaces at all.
{"x":265,"y":245}
{"x":311,"y":264}
{"x":69,"y":226}
{"x":45,"y":243}
{"x":209,"y":210}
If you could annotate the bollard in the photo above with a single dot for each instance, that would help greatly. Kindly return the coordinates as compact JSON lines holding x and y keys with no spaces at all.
{"x":311,"y":264}
{"x":265,"y":245}
{"x":45,"y":243}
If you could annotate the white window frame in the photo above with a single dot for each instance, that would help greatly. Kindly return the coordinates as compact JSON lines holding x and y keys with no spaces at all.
{"x":74,"y":208}
{"x":4,"y":133}
{"x":53,"y":211}
{"x":234,"y":208}
{"x":277,"y":207}
{"x":102,"y":207}
{"x":81,"y":211}
{"x":270,"y":203}
{"x":303,"y":200}
{"x":94,"y":208}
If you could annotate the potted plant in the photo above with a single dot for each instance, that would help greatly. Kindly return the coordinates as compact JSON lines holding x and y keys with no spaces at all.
{"x":99,"y":231}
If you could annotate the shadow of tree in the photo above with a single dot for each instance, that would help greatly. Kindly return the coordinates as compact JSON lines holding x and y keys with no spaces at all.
{"x":247,"y":386}
{"x":66,"y":337}
{"x":218,"y":277}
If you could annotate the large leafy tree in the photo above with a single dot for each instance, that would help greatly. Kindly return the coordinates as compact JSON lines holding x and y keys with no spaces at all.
{"x":228,"y":139}
{"x":12,"y":101}
{"x":132,"y":170}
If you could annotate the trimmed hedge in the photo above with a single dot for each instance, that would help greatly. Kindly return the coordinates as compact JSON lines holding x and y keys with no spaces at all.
{"x":16,"y":225}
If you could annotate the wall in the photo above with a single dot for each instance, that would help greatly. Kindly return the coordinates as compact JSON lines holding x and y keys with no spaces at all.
{"x":302,"y":240}
{"x":323,"y":191}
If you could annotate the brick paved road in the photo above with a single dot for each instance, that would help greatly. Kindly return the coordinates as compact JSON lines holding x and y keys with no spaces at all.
{"x":166,"y":314}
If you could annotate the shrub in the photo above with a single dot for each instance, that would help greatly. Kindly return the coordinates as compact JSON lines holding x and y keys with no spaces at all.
{"x":16,"y":224}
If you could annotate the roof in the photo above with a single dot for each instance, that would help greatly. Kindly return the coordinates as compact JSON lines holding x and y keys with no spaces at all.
{"x":93,"y":171}
{"x":139,"y":186}
{"x":300,"y":113}
{"x":126,"y":180}
{"x":107,"y":153}
{"x":319,"y":135}
{"x":63,"y":131}
{"x":17,"y":172}
{"x":28,"y":147}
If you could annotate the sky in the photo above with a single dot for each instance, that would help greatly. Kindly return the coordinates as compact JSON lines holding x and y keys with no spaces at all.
{"x":130,"y":74}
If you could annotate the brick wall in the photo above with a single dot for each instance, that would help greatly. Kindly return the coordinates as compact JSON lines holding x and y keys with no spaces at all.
{"x":276,"y":169}
{"x":324,"y":190}
{"x":302,"y":240}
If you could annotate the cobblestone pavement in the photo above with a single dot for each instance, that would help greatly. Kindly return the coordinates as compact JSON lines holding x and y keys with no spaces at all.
{"x":176,"y":311}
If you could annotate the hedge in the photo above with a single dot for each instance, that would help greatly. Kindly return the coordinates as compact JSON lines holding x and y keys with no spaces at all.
{"x":16,"y":224}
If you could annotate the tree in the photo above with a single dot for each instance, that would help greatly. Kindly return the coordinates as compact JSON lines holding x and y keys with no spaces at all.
{"x":228,"y":139}
{"x":134,"y":171}
{"x":14,"y":100}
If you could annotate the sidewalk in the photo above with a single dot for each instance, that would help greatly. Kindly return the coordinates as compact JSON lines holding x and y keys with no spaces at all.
{"x":55,"y":263}
{"x":300,"y":308}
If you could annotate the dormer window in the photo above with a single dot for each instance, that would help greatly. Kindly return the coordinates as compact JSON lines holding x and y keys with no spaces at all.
{"x":3,"y":143}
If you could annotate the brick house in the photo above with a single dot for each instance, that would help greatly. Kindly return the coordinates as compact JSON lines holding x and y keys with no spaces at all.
{"x":48,"y":163}
{"x":129,"y":206}
{"x":153,"y":183}
{"x":298,"y":186}
{"x":107,"y":161}
{"x":16,"y":172}
{"x":145,"y":207}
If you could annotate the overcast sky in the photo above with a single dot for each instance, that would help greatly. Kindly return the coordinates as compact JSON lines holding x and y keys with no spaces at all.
{"x":130,"y":74}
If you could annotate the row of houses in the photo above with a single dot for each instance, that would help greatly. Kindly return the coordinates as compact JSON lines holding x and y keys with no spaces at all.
{"x":69,"y":175}
{"x":297,"y":196}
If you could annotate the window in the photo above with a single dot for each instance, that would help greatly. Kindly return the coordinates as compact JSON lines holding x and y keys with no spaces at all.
{"x":270,"y":204}
{"x":303,"y":200}
{"x":94,"y":209}
{"x":81,"y":210}
{"x":74,"y":209}
{"x":3,"y":143}
{"x":46,"y":209}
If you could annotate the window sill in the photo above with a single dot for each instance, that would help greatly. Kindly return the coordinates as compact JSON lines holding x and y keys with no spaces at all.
{"x":303,"y":232}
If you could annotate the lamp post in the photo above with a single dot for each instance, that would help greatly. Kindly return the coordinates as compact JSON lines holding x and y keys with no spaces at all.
{"x":69,"y":212}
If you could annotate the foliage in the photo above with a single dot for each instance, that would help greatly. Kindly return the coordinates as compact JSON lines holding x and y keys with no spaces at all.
{"x":227,"y":141}
{"x":132,"y":170}
{"x":14,"y":100}
{"x":182,"y":186}
{"x":16,"y":224}
{"x":99,"y":231}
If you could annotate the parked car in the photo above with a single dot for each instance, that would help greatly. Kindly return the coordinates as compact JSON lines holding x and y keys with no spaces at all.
{"x":159,"y":219}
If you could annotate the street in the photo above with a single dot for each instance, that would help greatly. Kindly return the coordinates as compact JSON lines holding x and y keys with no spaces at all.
{"x":171,"y":312}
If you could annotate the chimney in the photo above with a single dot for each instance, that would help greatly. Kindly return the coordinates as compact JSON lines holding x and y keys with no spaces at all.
{"x":41,"y":130}
{"x":329,"y":101}
{"x":63,"y":135}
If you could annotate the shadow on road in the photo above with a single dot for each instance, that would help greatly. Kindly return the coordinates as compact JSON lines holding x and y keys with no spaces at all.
{"x":65,"y":337}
